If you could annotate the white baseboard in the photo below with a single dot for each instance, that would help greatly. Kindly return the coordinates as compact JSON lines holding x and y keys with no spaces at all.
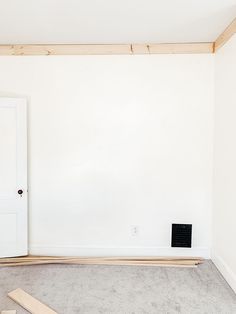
{"x":119,"y":251}
{"x":225,"y":270}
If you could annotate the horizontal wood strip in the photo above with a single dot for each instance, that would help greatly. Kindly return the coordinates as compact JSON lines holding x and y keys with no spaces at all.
{"x":103,"y":263}
{"x":173,"y":48}
{"x":90,"y":261}
{"x":126,"y":49}
{"x":137,"y":261}
{"x":225,"y":36}
{"x":143,"y":258}
{"x":47,"y":50}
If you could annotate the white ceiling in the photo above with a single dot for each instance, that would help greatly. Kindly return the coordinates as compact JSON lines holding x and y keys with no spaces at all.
{"x":113,"y":21}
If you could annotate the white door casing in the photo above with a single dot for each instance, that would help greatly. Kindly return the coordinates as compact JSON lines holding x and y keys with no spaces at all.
{"x":13,"y":177}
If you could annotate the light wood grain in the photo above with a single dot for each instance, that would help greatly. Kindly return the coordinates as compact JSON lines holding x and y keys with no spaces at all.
{"x":125,"y":49}
{"x":172,"y":48}
{"x":29,"y":303}
{"x":225,"y":36}
{"x":47,"y":50}
{"x":101,"y":262}
{"x":107,"y":264}
{"x":136,"y":258}
{"x":8,"y":312}
{"x":126,"y":261}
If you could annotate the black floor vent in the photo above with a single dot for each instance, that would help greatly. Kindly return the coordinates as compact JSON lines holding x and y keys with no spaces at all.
{"x":181,"y":235}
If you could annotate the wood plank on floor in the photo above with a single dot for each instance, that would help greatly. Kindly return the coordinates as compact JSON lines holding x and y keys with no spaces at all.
{"x":137,"y":261}
{"x":29,"y":303}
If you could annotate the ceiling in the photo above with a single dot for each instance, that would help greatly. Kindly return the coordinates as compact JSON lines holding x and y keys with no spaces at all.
{"x":113,"y":21}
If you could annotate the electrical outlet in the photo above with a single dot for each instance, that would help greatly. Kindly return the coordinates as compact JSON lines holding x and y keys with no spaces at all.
{"x":134,"y":230}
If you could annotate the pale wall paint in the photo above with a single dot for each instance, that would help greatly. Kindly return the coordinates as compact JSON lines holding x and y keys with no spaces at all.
{"x":116,"y":141}
{"x":224,"y":218}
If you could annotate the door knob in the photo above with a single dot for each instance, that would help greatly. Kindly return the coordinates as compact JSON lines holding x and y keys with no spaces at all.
{"x":20,"y":192}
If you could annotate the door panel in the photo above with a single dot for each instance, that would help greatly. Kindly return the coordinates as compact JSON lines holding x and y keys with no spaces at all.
{"x":9,"y":220}
{"x":8,"y":152}
{"x":13,"y":177}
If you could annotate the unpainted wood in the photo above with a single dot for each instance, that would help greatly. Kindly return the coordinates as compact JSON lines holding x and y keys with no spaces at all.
{"x":100,"y":262}
{"x":47,"y":50}
{"x":105,"y":263}
{"x":225,"y":36}
{"x":29,"y":303}
{"x":156,"y":258}
{"x":142,"y":261}
{"x":106,"y":49}
{"x":172,"y":48}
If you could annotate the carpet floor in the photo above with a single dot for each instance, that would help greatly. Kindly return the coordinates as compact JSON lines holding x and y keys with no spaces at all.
{"x":121,"y":289}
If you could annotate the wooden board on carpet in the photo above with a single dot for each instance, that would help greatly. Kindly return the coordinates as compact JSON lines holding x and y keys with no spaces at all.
{"x":126,"y":261}
{"x":136,"y":258}
{"x":29,"y":303}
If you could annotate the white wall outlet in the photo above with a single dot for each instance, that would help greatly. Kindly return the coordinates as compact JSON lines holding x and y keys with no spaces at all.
{"x":134,"y":230}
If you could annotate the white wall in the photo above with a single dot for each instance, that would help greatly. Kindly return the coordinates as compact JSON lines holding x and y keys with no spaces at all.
{"x":115,"y":142}
{"x":224,"y":222}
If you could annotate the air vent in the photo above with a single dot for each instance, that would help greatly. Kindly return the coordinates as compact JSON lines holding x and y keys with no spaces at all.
{"x":181,"y":235}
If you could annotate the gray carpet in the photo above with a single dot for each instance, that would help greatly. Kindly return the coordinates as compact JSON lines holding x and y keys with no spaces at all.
{"x":121,"y":289}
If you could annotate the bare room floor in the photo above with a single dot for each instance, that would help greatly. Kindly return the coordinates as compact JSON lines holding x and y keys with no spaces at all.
{"x":121,"y":289}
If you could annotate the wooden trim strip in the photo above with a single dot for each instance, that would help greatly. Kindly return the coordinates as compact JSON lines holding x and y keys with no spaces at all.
{"x":103,"y":262}
{"x":106,"y":264}
{"x":29,"y":303}
{"x":138,"y":261}
{"x":126,"y":49}
{"x":47,"y":50}
{"x":136,"y":258}
{"x":172,"y":48}
{"x":225,"y":36}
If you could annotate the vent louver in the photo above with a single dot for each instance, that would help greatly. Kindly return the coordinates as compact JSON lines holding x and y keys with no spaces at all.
{"x":181,"y":235}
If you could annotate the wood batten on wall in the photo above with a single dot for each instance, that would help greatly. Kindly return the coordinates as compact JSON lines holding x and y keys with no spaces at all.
{"x":172,"y":48}
{"x":225,"y":36}
{"x":126,"y":49}
{"x":31,"y":50}
{"x":119,"y":49}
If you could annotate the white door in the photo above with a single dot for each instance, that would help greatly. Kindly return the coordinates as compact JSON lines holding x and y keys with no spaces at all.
{"x":13,"y":177}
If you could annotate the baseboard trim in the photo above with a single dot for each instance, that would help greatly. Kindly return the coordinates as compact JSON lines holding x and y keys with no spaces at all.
{"x":225,"y":270}
{"x":203,"y":252}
